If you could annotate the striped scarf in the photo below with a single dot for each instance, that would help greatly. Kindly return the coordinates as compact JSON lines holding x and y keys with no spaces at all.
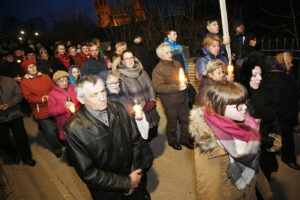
{"x":241,"y":141}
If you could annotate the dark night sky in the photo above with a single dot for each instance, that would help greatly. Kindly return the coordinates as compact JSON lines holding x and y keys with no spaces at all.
{"x":32,"y":8}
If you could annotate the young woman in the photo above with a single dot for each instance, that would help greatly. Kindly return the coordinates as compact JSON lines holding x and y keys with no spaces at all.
{"x":74,"y":74}
{"x":226,"y":144}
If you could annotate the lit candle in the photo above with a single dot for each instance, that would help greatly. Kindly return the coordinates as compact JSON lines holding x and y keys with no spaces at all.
{"x":72,"y":108}
{"x":182,"y":79}
{"x":230,"y":69}
{"x":138,"y":111}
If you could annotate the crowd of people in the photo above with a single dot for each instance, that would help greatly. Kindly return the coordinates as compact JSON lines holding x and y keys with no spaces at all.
{"x":101,"y":105}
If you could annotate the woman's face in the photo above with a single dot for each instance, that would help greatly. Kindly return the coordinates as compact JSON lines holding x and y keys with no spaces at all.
{"x":61,"y":49}
{"x":255,"y":78}
{"x":120,"y":50}
{"x":236,"y":112}
{"x":217,"y":75}
{"x":214,"y":48}
{"x":113,"y":85}
{"x":75,"y":73}
{"x":128,"y":59}
{"x":32,"y":70}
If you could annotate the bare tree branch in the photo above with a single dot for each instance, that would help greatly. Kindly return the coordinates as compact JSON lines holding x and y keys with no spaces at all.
{"x":275,"y":15}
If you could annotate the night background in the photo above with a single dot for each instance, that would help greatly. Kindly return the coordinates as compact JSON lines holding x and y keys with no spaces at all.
{"x":76,"y":20}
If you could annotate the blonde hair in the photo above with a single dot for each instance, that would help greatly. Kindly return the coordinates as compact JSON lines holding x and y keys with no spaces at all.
{"x":208,"y":40}
{"x":120,"y":44}
{"x":113,"y":74}
{"x":160,"y":48}
{"x":281,"y":57}
{"x":222,"y":93}
{"x":213,"y":65}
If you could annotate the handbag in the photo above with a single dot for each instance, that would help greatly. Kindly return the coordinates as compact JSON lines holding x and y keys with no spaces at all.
{"x":191,"y":94}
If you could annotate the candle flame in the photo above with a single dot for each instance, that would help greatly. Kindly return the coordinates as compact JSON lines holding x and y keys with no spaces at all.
{"x":230,"y":69}
{"x":72,"y":108}
{"x":138,"y":111}
{"x":181,"y":77}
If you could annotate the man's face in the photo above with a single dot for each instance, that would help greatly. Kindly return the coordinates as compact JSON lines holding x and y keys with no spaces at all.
{"x":240,"y":29}
{"x":72,"y":52}
{"x":95,"y":96}
{"x":94,"y":51}
{"x":213,"y":27}
{"x":9,"y":58}
{"x":61,"y":49}
{"x":19,"y":53}
{"x":166,"y":54}
{"x":31,"y":56}
{"x":137,"y":40}
{"x":62,"y":82}
{"x":85,"y":50}
{"x":172,"y":36}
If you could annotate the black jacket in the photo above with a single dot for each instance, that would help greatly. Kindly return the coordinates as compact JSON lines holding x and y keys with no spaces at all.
{"x":93,"y":66}
{"x":104,"y":156}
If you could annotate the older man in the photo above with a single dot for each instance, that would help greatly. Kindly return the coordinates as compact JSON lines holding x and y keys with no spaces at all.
{"x":165,"y":79}
{"x":104,"y":143}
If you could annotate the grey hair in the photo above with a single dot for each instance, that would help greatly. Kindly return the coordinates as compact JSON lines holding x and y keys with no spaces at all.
{"x":86,"y":79}
{"x":160,"y":48}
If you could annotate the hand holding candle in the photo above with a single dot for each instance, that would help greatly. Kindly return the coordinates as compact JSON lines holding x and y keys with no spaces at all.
{"x":138,"y":110}
{"x":72,"y":108}
{"x":182,"y":79}
{"x":230,"y":69}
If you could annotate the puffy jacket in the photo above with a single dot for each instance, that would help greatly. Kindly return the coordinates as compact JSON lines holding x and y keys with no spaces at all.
{"x":104,"y":156}
{"x":34,"y":90}
{"x":56,"y":106}
{"x":93,"y":66}
{"x":11,"y":95}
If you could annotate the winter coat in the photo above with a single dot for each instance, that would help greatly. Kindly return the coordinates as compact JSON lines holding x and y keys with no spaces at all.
{"x":104,"y":156}
{"x":44,"y":66}
{"x":165,"y":79}
{"x":58,"y":65}
{"x":243,"y":49}
{"x":211,"y":164}
{"x":56,"y":106}
{"x":177,"y":53}
{"x":207,"y":56}
{"x":124,"y":99}
{"x":93,"y":66}
{"x":11,"y":95}
{"x":204,"y":83}
{"x":34,"y":90}
{"x":137,"y":84}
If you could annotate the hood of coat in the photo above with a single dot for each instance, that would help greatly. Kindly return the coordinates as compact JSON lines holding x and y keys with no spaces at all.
{"x":200,"y":131}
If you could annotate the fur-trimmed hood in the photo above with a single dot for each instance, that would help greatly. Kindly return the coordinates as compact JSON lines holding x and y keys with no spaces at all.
{"x":200,"y":131}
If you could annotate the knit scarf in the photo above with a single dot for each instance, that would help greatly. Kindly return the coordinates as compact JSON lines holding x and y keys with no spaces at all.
{"x":64,"y":59}
{"x":132,"y":72}
{"x":241,"y":141}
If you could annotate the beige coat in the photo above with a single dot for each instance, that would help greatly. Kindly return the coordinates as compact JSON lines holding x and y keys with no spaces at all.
{"x":211,"y":163}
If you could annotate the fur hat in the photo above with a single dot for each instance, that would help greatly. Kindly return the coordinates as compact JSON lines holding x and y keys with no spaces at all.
{"x":59,"y":74}
{"x":26,"y":63}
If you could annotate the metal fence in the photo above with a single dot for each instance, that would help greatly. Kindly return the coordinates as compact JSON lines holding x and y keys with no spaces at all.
{"x":273,"y":46}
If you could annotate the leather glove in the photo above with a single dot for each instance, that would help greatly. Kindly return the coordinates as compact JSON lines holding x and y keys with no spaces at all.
{"x":150,"y":105}
{"x":276,"y":144}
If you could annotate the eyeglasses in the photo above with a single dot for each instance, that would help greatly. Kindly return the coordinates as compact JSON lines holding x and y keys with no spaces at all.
{"x":239,"y":107}
{"x":131,"y":58}
{"x":113,"y":83}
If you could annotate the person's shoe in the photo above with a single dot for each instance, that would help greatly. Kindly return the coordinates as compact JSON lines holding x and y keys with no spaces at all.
{"x":293,"y":165}
{"x":188,"y":145}
{"x":30,"y":162}
{"x":176,"y":146}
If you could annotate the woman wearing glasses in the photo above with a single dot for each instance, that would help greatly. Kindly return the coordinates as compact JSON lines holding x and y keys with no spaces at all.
{"x":226,"y":144}
{"x":136,"y":83}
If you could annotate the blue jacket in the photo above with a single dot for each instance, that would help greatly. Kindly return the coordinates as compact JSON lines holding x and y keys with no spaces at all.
{"x":177,"y":52}
{"x":207,"y":56}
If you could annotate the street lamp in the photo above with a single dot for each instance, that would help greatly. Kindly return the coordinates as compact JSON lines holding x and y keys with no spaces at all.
{"x":36,"y":34}
{"x":22,"y":32}
{"x":20,"y":38}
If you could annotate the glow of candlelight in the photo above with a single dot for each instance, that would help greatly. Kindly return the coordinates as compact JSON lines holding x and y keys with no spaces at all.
{"x":138,"y":111}
{"x":181,"y":77}
{"x":72,"y":108}
{"x":230,"y":69}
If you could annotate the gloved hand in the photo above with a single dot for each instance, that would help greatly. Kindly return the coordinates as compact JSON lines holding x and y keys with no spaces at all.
{"x":150,"y":105}
{"x":276,"y":144}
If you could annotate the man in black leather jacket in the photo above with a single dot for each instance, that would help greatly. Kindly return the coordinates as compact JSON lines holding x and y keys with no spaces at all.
{"x":104,"y":143}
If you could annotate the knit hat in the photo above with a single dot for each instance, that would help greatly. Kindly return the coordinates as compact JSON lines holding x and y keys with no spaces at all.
{"x":59,"y":74}
{"x":26,"y":63}
{"x":237,"y":23}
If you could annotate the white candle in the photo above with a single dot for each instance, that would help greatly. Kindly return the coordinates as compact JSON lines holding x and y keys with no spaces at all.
{"x":230,"y":69}
{"x":181,"y":77}
{"x":225,"y":26}
{"x":138,"y":111}
{"x":72,"y":108}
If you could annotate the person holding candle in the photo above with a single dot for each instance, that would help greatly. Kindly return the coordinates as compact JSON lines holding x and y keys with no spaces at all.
{"x":61,"y":99}
{"x":35,"y":87}
{"x":211,"y":51}
{"x":165,"y":78}
{"x":137,"y":84}
{"x":227,"y":144}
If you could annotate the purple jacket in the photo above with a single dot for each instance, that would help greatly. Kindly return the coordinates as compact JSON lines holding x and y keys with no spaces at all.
{"x":56,"y":106}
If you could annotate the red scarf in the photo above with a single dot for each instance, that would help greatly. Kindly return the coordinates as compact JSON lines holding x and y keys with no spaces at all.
{"x":64,"y":59}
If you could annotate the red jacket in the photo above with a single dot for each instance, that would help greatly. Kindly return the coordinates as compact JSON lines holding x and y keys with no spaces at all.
{"x":34,"y":91}
{"x":56,"y":106}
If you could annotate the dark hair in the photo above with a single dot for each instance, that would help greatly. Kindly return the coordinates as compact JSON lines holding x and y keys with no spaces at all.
{"x":222,"y":93}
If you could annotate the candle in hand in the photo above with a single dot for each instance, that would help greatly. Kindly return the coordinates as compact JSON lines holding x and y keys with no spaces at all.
{"x":230,"y":69}
{"x":138,"y":111}
{"x":182,"y":80}
{"x":72,"y":108}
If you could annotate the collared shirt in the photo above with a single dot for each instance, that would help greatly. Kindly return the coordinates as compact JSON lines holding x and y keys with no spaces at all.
{"x":100,"y":115}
